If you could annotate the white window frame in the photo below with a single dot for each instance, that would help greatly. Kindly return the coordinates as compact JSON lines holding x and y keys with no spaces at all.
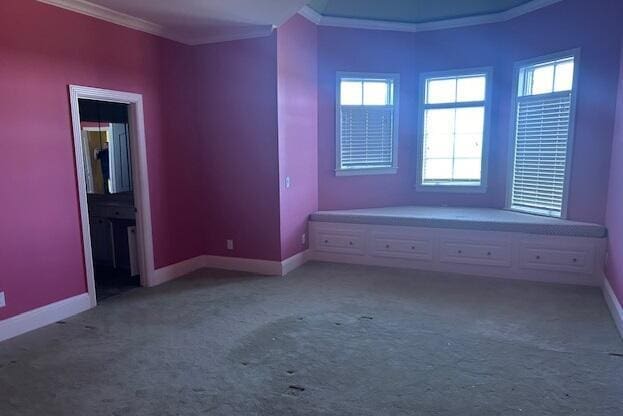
{"x":395,"y":78}
{"x":575,"y":53}
{"x":457,"y":187}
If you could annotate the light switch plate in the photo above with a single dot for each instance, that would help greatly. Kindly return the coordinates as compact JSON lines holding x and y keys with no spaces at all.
{"x":2,"y":300}
{"x":230,"y":244}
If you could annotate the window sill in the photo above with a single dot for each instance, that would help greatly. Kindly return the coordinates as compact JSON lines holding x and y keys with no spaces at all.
{"x":448,"y":188}
{"x":362,"y":172}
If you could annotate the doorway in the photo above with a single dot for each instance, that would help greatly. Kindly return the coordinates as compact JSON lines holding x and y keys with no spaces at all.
{"x":109,"y":143}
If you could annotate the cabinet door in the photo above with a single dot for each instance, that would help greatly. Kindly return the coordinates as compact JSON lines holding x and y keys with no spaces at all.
{"x":400,"y":245}
{"x":101,"y":241}
{"x":476,"y":252}
{"x":558,"y":257}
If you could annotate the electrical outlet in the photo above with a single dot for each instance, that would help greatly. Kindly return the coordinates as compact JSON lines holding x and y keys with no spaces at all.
{"x":303,"y":239}
{"x":230,"y":244}
{"x":2,"y":300}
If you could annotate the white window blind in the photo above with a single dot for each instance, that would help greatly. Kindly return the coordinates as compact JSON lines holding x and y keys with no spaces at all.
{"x":366,"y":137}
{"x":367,"y":123}
{"x":542,"y":130}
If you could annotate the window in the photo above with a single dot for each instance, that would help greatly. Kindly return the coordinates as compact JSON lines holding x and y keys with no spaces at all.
{"x":367,"y":124}
{"x":454,"y":124}
{"x":543,"y":118}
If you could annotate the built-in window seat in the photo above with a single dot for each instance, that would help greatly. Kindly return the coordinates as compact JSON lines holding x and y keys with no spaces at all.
{"x":477,"y":241}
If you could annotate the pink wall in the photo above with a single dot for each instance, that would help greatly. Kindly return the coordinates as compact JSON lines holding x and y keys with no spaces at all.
{"x":298,"y":129}
{"x":614,"y":213}
{"x":257,"y":103}
{"x":566,"y":25}
{"x":175,"y":164}
{"x":226,"y":123}
{"x":211,"y":121}
{"x":237,"y":85}
{"x":43,"y":49}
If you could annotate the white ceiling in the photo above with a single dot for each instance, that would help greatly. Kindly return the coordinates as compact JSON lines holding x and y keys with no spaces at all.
{"x":196,"y":22}
{"x":191,"y":21}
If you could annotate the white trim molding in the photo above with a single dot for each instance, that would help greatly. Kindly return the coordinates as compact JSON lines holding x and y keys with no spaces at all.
{"x":294,"y":262}
{"x":141,"y":179}
{"x":249,"y":33}
{"x":321,"y":20}
{"x":173,"y":271}
{"x":311,"y":15}
{"x":112,"y":16}
{"x":262,"y":267}
{"x":614,"y":305}
{"x":54,"y":312}
{"x":43,"y":316}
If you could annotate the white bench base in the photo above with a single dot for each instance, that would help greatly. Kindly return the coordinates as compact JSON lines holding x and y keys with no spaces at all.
{"x":512,"y":255}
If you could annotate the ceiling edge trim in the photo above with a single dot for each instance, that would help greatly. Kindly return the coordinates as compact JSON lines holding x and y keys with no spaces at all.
{"x":131,"y":22}
{"x":312,"y":15}
{"x":109,"y":15}
{"x":321,"y":20}
{"x":260,"y":32}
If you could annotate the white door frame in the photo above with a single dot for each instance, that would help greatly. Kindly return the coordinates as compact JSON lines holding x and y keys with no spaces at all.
{"x":140,"y":179}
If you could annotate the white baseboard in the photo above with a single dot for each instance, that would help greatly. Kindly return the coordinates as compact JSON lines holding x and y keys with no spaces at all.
{"x":295,"y":262}
{"x":64,"y":309}
{"x":176,"y":270}
{"x":263,"y":267}
{"x":45,"y":315}
{"x":614,"y":305}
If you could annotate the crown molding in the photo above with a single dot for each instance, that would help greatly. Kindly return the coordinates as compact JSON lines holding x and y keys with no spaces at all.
{"x":321,"y":20}
{"x":311,"y":15}
{"x":109,"y":15}
{"x":104,"y":13}
{"x":254,"y":32}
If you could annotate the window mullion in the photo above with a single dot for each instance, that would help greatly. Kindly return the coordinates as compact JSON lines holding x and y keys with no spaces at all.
{"x":456,"y":105}
{"x":453,"y":145}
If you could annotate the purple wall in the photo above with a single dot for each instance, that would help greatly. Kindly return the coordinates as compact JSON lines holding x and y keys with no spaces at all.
{"x":226,"y":123}
{"x":174,"y":162}
{"x":614,"y":213}
{"x":563,"y":26}
{"x":298,"y":129}
{"x":237,"y":116}
{"x":211,"y":117}
{"x":43,"y":49}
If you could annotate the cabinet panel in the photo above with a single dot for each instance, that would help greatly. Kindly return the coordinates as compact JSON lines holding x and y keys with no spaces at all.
{"x":486,"y":253}
{"x":101,"y":241}
{"x":340,"y":241}
{"x":545,"y":257}
{"x":402,"y":246}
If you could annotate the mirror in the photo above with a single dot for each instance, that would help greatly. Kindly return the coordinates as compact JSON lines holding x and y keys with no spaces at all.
{"x":105,"y":135}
